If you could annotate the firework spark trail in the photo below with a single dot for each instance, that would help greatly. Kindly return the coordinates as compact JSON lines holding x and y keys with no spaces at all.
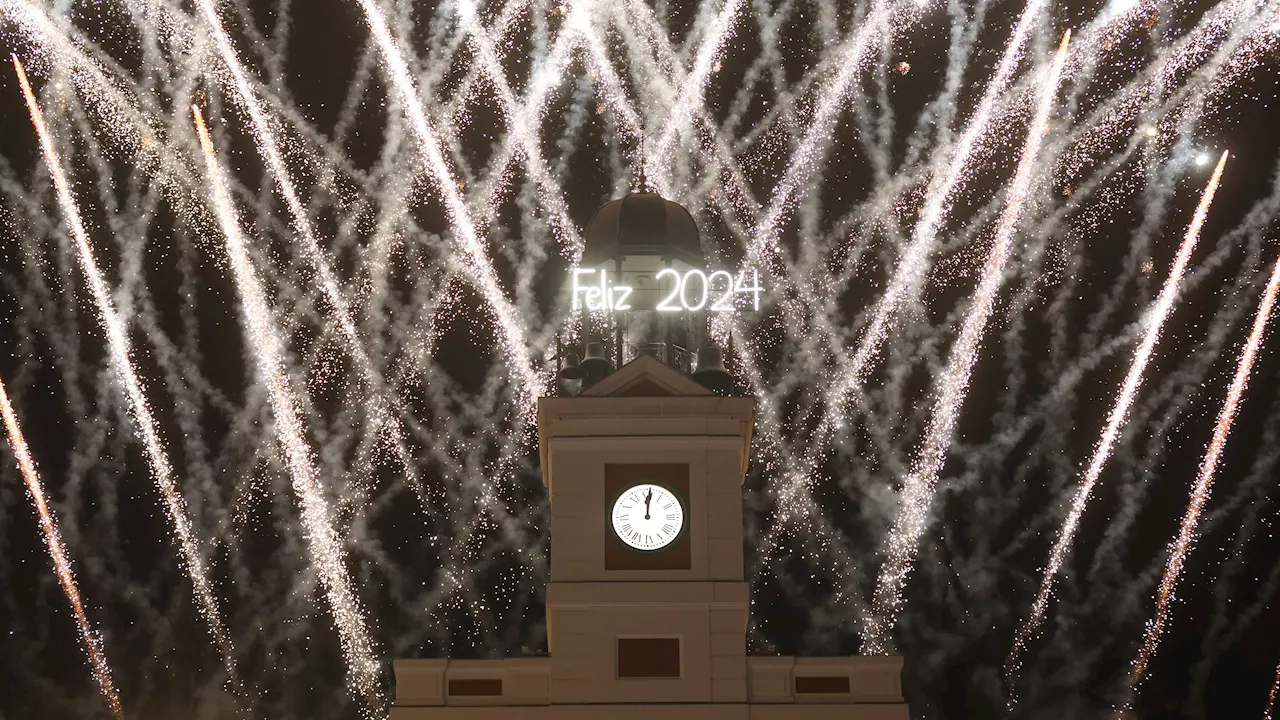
{"x":681,"y":114}
{"x":97,"y":81}
{"x":545,"y":79}
{"x":1250,"y":494}
{"x":522,"y":122}
{"x":1152,"y":97}
{"x":953,"y":385}
{"x":324,"y":544}
{"x":747,"y":131}
{"x":1106,"y":121}
{"x":120,"y":109}
{"x":383,"y":400}
{"x":1114,"y":118}
{"x":857,"y":51}
{"x":912,"y":266}
{"x":794,"y":500}
{"x":1154,"y":322}
{"x":1181,"y":547}
{"x":609,"y":85}
{"x":738,"y":201}
{"x":615,"y":98}
{"x":497,"y":32}
{"x":741,"y":209}
{"x":744,"y":204}
{"x":100,"y":82}
{"x":1179,"y":389}
{"x":1186,"y":53}
{"x":140,"y":408}
{"x":524,"y":130}
{"x":385,"y":196}
{"x":58,"y":553}
{"x":511,"y":332}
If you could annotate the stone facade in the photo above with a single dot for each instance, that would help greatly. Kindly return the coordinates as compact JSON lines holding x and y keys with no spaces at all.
{"x":644,"y":635}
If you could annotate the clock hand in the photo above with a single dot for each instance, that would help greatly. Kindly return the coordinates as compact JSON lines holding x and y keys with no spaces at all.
{"x":647,"y":498}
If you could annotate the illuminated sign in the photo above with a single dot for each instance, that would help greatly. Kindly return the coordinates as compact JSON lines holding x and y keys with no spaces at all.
{"x":691,"y":291}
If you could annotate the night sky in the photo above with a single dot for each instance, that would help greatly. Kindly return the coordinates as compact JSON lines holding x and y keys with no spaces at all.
{"x":449,"y":557}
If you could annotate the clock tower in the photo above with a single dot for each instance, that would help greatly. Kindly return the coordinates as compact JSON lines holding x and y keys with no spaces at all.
{"x":647,"y":603}
{"x":632,"y":622}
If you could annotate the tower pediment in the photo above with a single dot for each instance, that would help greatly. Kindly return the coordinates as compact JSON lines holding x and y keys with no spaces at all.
{"x":646,"y":377}
{"x":644,"y":399}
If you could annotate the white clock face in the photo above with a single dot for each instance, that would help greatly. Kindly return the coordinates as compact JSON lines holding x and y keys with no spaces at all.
{"x":647,"y":516}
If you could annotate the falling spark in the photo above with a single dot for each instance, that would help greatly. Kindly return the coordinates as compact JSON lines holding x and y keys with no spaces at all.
{"x":917,"y":491}
{"x":1119,"y":412}
{"x":322,"y":540}
{"x":1180,"y":547}
{"x":140,"y":409}
{"x":58,"y":553}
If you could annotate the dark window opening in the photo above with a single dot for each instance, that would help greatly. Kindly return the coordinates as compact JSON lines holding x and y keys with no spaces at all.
{"x":475,"y":686}
{"x":648,"y":657}
{"x":835,"y":685}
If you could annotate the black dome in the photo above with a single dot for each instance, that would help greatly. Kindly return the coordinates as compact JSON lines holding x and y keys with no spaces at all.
{"x":642,"y":223}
